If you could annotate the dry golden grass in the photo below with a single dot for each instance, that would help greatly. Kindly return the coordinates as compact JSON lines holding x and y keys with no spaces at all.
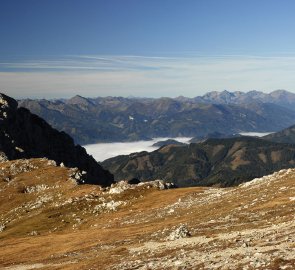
{"x":69,"y":235}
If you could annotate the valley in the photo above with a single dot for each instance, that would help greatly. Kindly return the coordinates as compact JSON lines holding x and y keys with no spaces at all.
{"x":103,"y":151}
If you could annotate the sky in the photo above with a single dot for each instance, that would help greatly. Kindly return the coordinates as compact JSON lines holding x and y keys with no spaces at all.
{"x":150,"y":48}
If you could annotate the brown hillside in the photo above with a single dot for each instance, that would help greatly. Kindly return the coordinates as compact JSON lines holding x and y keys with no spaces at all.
{"x":50,"y":222}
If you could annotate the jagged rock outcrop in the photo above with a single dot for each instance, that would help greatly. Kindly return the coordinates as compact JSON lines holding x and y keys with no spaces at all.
{"x":25,"y":135}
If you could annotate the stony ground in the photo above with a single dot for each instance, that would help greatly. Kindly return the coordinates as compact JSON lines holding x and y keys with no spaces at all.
{"x":47,"y":221}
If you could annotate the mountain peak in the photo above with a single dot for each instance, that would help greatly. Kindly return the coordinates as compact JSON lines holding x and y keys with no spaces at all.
{"x":79,"y":100}
{"x":280,"y":91}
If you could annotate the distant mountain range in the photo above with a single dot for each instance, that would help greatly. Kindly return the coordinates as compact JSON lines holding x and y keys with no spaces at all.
{"x":220,"y":162}
{"x":279,"y":97}
{"x":91,"y":120}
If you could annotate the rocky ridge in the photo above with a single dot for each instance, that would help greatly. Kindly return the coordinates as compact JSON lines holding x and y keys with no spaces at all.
{"x":25,"y":135}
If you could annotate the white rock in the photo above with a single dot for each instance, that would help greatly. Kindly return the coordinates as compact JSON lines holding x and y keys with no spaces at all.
{"x":2,"y":227}
{"x":180,"y":232}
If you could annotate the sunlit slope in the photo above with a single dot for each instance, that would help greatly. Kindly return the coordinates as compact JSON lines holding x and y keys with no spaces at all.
{"x":50,"y":222}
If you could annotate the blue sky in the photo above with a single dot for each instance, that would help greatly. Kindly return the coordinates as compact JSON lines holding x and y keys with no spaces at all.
{"x":59,"y":48}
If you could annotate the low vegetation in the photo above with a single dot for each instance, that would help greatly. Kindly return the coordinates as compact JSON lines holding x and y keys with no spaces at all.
{"x":47,"y":221}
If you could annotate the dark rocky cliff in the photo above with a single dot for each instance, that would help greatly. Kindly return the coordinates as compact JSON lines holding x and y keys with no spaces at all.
{"x":25,"y":135}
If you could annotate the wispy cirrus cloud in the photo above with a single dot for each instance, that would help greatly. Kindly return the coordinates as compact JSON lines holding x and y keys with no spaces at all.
{"x":92,"y":75}
{"x":88,"y":62}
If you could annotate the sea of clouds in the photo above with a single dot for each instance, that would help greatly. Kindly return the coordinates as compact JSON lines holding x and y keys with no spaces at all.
{"x":255,"y":134}
{"x":103,"y":151}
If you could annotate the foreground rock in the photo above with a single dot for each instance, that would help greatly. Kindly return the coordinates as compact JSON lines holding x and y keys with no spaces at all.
{"x":180,"y":232}
{"x":124,"y":185}
{"x":56,"y":224}
{"x":25,"y":135}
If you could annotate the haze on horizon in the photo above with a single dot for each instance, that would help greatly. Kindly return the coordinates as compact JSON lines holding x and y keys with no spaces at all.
{"x":147,"y":48}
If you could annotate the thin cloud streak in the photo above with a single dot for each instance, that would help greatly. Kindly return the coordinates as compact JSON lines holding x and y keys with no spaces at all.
{"x":138,"y":62}
{"x":145,"y":76}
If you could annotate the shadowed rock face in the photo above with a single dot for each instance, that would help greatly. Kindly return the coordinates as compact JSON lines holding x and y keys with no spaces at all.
{"x":25,"y":135}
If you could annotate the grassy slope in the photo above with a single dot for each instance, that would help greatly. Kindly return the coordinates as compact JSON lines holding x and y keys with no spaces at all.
{"x":251,"y":223}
